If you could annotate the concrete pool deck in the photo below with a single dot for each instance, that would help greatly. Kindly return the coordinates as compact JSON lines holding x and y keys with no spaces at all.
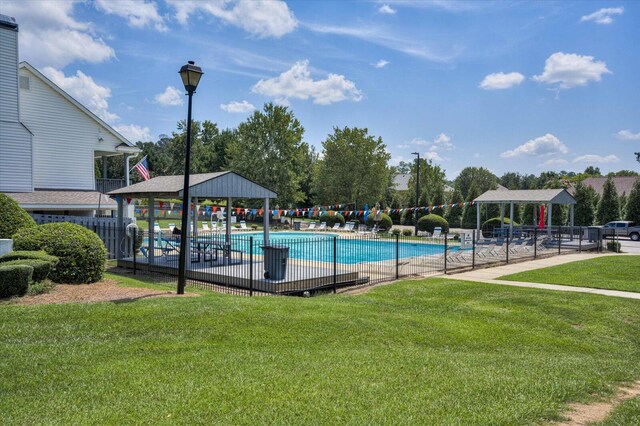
{"x":491,"y":275}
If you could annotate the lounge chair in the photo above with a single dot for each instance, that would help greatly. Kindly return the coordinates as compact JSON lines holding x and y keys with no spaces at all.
{"x":322,"y":226}
{"x":348,"y":227}
{"x":243,"y":226}
{"x":156,"y":228}
{"x":336,"y":226}
{"x":312,"y":225}
{"x":172,"y":226}
{"x":205,"y":227}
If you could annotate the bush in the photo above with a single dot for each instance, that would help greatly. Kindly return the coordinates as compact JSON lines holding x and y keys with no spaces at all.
{"x":36,"y":255}
{"x":12,"y":217}
{"x":331,"y":219}
{"x":385,"y":221}
{"x":614,"y":246}
{"x":14,"y":280}
{"x":396,"y":231}
{"x":82,"y":254}
{"x":490,"y":224}
{"x":407,"y":232}
{"x":41,"y":268}
{"x":431,"y":221}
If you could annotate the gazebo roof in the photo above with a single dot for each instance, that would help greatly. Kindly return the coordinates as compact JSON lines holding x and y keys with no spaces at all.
{"x":531,"y":196}
{"x":205,"y":185}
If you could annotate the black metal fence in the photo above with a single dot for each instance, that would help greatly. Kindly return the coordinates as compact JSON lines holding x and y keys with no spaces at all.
{"x":303,"y":263}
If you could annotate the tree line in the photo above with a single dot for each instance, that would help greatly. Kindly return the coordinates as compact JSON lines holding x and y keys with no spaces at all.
{"x":353,"y":169}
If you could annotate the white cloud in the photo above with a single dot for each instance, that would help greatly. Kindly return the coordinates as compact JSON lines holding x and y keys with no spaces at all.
{"x":385,"y":9}
{"x":259,"y":18}
{"x":597,"y":159}
{"x":567,"y":70}
{"x":84,"y":90}
{"x":134,"y":133}
{"x":603,"y":16}
{"x":442,"y":141}
{"x":51,"y":36}
{"x":501,"y":80}
{"x":381,"y":64}
{"x":555,"y":162}
{"x":297,"y":83}
{"x":627,"y":135}
{"x":138,"y":14}
{"x":170,"y":97}
{"x":238,"y":107}
{"x":433,"y":156}
{"x":543,"y":145}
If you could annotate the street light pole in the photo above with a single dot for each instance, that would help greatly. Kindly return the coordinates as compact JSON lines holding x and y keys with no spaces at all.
{"x":415,"y":213}
{"x":190,"y":75}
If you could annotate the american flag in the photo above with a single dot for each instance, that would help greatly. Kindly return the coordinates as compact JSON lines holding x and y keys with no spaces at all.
{"x":143,"y":168}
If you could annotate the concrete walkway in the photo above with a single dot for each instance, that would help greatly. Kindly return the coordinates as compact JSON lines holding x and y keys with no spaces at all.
{"x":491,"y":275}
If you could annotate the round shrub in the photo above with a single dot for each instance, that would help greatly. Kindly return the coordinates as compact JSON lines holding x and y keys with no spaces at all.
{"x":331,"y":218}
{"x":36,"y":255}
{"x":41,"y":268}
{"x":431,"y":221}
{"x":396,"y":231}
{"x":490,"y":224}
{"x":82,"y":254}
{"x":384,"y":222}
{"x":407,"y":232}
{"x":14,"y":280}
{"x":12,"y":217}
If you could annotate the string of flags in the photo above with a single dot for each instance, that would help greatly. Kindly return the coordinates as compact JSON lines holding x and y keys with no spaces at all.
{"x":208,"y":210}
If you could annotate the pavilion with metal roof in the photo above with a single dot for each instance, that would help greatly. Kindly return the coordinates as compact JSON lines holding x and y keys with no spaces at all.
{"x":221,"y":185}
{"x":503,"y":197}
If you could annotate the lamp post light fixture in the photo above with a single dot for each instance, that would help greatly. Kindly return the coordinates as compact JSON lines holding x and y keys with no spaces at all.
{"x":190,"y":75}
{"x":415,"y":213}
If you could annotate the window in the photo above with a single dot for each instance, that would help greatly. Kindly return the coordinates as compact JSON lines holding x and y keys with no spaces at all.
{"x":24,"y":82}
{"x":620,"y":225}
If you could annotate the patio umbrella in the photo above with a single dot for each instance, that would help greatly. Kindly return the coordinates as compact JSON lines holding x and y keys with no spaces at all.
{"x":541,"y":217}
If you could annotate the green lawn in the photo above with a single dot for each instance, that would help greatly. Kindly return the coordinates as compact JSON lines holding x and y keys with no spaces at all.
{"x":627,"y":413}
{"x":610,"y":272}
{"x":429,"y":352}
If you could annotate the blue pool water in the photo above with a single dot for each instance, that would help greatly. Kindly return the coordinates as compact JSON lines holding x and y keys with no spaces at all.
{"x":319,"y":246}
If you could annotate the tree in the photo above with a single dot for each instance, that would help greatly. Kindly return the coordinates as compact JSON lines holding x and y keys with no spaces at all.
{"x":268,"y":149}
{"x":608,"y":208}
{"x":483,"y":179}
{"x":592,"y":171}
{"x":432,"y":182}
{"x":353,"y":169}
{"x":469,"y":219}
{"x":454,"y":214}
{"x":633,"y":204}
{"x":583,"y":214}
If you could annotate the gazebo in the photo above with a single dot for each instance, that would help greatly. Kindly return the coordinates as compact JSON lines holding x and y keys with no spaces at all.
{"x":221,"y":185}
{"x":503,"y":197}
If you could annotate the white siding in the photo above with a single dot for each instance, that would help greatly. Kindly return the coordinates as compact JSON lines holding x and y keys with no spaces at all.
{"x":15,"y":140}
{"x":64,"y":138}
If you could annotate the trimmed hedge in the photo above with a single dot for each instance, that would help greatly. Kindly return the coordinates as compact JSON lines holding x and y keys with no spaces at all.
{"x":407,"y":232}
{"x":14,"y":280}
{"x":332,"y":219}
{"x":385,"y":221}
{"x":41,"y":268}
{"x":82,"y":254}
{"x":12,"y":217}
{"x":431,"y":221}
{"x":36,"y":255}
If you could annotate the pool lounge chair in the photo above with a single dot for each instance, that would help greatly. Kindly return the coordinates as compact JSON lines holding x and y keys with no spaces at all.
{"x":205,"y":227}
{"x":322,"y":226}
{"x":348,"y":227}
{"x":336,"y":226}
{"x":243,"y":226}
{"x":312,"y":225}
{"x":172,"y":226}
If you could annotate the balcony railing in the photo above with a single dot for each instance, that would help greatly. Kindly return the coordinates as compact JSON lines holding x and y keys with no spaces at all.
{"x":107,"y":185}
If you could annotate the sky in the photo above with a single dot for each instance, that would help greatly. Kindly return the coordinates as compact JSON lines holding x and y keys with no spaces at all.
{"x":507,"y":85}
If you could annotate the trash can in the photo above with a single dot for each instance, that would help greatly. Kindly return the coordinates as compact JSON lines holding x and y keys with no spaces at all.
{"x":275,"y":261}
{"x":296,"y":225}
{"x":594,"y":233}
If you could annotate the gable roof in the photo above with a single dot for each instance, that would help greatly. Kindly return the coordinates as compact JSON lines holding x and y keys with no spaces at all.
{"x":623,"y":184}
{"x":555,"y":196}
{"x":78,"y":105}
{"x":203,"y":185}
{"x":401,"y":182}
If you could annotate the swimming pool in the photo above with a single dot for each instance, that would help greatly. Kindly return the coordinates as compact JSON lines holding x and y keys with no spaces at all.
{"x":319,"y":246}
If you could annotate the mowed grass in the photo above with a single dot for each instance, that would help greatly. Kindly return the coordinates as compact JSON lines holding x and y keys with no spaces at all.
{"x":611,"y":272}
{"x":429,"y":352}
{"x":627,"y":413}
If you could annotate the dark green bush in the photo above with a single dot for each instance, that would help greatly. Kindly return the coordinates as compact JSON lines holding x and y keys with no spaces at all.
{"x":14,"y":280}
{"x":331,"y":218}
{"x":431,"y":221}
{"x":82,"y":254}
{"x":614,"y":246}
{"x":12,"y":217}
{"x":396,"y":231}
{"x":41,"y":268}
{"x":490,"y":224}
{"x":407,"y":232}
{"x":36,"y":255}
{"x":385,"y":220}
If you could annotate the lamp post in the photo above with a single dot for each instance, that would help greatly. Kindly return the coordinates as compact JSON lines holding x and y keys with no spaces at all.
{"x":190,"y":74}
{"x":415,"y":213}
